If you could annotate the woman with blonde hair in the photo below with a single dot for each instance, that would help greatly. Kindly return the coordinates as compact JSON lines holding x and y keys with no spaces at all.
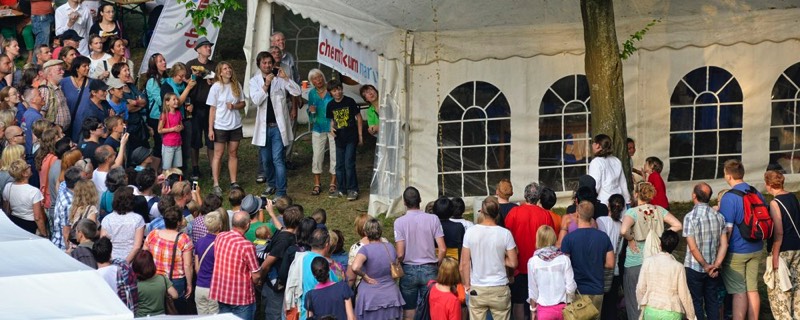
{"x":9,"y":117}
{"x":446,"y":295}
{"x":23,"y":202}
{"x":225,"y":100}
{"x":84,"y":202}
{"x":637,"y":224}
{"x":551,"y":281}
{"x":783,"y":248}
{"x":320,"y":127}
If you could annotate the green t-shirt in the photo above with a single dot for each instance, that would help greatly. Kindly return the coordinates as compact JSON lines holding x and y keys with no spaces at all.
{"x":151,"y":295}
{"x":372,"y":116}
{"x":636,"y":259}
{"x":251,"y":233}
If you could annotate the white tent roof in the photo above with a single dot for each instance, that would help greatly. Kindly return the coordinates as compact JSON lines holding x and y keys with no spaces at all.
{"x":39,"y":281}
{"x":451,"y":30}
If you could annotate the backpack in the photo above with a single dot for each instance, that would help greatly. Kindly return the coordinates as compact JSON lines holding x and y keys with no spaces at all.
{"x":757,"y":223}
{"x":424,"y":306}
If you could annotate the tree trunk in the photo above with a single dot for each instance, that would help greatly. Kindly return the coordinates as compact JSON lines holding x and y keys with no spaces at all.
{"x":604,"y":73}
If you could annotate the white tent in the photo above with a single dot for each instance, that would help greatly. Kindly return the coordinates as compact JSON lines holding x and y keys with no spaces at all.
{"x":38,"y":281}
{"x":461,"y":80}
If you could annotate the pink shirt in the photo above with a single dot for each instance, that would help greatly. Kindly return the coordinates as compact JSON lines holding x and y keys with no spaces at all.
{"x":172,"y":139}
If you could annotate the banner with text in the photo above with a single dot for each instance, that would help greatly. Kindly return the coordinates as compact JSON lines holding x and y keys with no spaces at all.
{"x":348,"y":57}
{"x":175,"y":36}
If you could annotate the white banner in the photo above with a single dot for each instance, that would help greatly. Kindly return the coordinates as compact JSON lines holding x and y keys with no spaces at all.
{"x":175,"y":36}
{"x":348,"y":57}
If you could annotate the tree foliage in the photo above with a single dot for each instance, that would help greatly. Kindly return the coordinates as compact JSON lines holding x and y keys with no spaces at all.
{"x":628,"y":47}
{"x":211,"y":10}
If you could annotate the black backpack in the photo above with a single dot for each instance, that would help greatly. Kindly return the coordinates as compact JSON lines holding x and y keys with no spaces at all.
{"x":424,"y":307}
{"x":25,"y":7}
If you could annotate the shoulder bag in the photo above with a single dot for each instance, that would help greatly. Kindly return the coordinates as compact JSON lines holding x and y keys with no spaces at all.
{"x":395,"y":267}
{"x":580,"y":309}
{"x":169,"y":304}
{"x":789,"y":214}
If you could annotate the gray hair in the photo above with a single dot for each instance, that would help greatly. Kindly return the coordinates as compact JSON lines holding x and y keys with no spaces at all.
{"x":28,"y":94}
{"x":373,"y":229}
{"x":316,"y":72}
{"x":116,"y":178}
{"x":532,"y":193}
{"x":88,"y":227}
{"x":213,"y":222}
{"x":102,"y":153}
{"x":319,"y":239}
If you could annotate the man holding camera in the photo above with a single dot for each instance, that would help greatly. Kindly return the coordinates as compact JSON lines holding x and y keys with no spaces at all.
{"x":272,"y":132}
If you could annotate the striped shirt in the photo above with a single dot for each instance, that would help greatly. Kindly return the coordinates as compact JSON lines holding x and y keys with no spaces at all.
{"x":705,"y":225}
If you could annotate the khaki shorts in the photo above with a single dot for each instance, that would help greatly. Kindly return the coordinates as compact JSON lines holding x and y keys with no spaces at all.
{"x":740,"y":272}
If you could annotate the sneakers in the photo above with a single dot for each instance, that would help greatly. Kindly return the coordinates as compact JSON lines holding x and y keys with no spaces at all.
{"x":268,"y":192}
{"x":352,"y":195}
{"x":261,"y":179}
{"x":335,"y":194}
{"x":217,"y":191}
{"x":235,"y":185}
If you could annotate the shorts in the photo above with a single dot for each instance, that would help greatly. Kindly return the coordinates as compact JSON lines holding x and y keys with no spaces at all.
{"x":200,"y":128}
{"x":223,"y":136}
{"x":172,"y":157}
{"x":519,"y":289}
{"x":740,"y":272}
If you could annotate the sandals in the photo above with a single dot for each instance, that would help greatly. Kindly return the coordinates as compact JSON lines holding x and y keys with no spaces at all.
{"x":315,"y":191}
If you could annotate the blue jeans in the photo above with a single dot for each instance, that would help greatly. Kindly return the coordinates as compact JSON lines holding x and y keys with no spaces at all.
{"x":246,"y":312}
{"x":346,"y":167}
{"x":415,"y":282}
{"x":41,"y":30}
{"x":704,"y":289}
{"x":273,"y":160}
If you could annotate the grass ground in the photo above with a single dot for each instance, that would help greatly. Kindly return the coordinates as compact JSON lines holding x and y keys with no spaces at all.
{"x":340,"y":212}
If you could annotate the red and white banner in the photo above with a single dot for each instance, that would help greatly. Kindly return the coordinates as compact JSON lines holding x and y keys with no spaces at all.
{"x":175,"y":36}
{"x":348,"y":57}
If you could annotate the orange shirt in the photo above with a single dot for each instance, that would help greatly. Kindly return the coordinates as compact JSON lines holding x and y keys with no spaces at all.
{"x":556,"y":221}
{"x":40,"y":8}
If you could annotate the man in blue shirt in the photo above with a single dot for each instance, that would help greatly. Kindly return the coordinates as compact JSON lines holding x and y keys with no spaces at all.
{"x":590,"y":251}
{"x":740,"y":267}
{"x":35,"y":103}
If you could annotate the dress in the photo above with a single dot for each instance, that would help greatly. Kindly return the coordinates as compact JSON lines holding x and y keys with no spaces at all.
{"x":383,"y":300}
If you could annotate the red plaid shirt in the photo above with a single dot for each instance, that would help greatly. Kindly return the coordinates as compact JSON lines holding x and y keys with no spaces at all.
{"x":234,"y":262}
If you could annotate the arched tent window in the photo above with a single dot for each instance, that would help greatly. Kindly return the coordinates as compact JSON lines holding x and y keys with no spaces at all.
{"x":565,"y":133}
{"x":784,"y":135}
{"x":474,"y":147}
{"x":705,"y":124}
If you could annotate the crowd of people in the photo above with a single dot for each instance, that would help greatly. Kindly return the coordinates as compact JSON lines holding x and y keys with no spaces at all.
{"x":77,"y":167}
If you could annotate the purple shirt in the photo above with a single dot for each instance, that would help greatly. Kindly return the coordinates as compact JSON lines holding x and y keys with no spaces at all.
{"x":419,"y":230}
{"x":207,"y":264}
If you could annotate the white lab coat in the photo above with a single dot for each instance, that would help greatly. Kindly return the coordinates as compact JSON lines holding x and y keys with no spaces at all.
{"x":277,"y":92}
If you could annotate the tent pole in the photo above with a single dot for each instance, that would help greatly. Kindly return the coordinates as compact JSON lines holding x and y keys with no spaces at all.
{"x":407,"y":61}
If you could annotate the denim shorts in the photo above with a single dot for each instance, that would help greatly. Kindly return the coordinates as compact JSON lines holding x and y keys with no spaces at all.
{"x":415,"y":282}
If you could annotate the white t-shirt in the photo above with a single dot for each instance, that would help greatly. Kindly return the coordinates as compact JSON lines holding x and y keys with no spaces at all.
{"x":611,"y":228}
{"x":109,"y":274}
{"x":96,"y":68}
{"x":22,"y":197}
{"x":218,"y":97}
{"x":464,"y":222}
{"x":488,"y":246}
{"x":121,"y":229}
{"x":99,"y":179}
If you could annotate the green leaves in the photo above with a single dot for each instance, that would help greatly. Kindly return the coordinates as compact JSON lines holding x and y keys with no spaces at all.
{"x":210,"y":10}
{"x":628,"y":47}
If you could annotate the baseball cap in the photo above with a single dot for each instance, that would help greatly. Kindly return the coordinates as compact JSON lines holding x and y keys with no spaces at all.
{"x":115,"y":83}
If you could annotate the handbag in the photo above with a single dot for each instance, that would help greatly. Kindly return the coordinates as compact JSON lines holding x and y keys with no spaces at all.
{"x":581,"y":308}
{"x":169,"y":304}
{"x":395,"y":267}
{"x":608,"y":274}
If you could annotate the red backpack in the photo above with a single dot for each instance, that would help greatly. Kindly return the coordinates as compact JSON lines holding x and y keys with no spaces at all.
{"x":757,"y":223}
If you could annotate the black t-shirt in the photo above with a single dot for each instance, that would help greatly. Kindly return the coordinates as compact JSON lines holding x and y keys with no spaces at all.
{"x":344,"y":115}
{"x":453,"y":233}
{"x":505,"y":208}
{"x":87,"y":150}
{"x":270,"y":111}
{"x":600,"y":210}
{"x":277,"y":248}
{"x":199,"y":93}
{"x":114,"y":143}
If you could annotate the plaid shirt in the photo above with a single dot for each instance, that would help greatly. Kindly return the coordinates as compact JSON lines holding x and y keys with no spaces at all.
{"x":199,"y":229}
{"x":61,"y":114}
{"x":705,"y":225}
{"x":234,"y":262}
{"x":162,"y":253}
{"x":61,"y":215}
{"x":127,"y":290}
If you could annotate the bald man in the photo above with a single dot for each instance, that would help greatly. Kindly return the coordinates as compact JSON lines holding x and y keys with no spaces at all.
{"x":14,"y":136}
{"x":233,"y":286}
